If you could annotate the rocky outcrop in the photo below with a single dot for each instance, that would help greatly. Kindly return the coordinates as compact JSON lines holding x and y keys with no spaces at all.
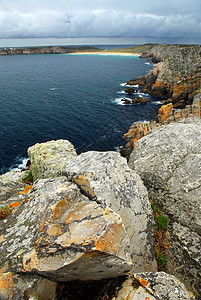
{"x":140,"y":286}
{"x":62,"y":235}
{"x":151,"y":286}
{"x":116,"y":186}
{"x":105,"y":178}
{"x":140,"y":100}
{"x":168,"y":161}
{"x":93,"y":223}
{"x":135,"y":100}
{"x":49,"y":159}
{"x":130,"y":90}
{"x":176,"y":75}
{"x":166,"y":115}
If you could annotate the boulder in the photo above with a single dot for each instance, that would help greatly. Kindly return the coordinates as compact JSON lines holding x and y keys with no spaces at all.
{"x":118,"y":187}
{"x":140,"y":100}
{"x":126,"y":101}
{"x":20,"y":286}
{"x":140,"y":286}
{"x":49,"y":159}
{"x":10,"y":184}
{"x":168,"y":160}
{"x":60,"y":234}
{"x":130,"y":90}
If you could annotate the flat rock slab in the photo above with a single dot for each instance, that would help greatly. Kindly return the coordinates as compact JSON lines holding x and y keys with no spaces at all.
{"x":62,"y":235}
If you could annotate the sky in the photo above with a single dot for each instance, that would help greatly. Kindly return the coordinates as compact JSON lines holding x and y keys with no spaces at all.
{"x":46,"y":22}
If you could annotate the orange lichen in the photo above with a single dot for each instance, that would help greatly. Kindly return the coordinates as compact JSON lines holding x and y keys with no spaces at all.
{"x":6,"y":282}
{"x":14,"y":204}
{"x":59,"y":208}
{"x":165,"y":112}
{"x":143,"y":282}
{"x":110,"y":241}
{"x":27,"y":189}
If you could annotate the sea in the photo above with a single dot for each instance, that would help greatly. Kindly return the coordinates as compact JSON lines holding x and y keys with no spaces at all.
{"x":66,"y":96}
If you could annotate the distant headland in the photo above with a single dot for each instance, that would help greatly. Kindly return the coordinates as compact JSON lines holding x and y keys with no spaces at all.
{"x":135,"y":50}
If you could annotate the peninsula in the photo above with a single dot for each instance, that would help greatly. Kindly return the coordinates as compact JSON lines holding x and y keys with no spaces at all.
{"x":136,"y":50}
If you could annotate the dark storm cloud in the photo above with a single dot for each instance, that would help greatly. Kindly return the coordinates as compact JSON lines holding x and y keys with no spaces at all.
{"x":40,"y":19}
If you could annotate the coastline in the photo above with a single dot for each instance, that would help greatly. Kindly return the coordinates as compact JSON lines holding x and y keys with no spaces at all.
{"x":104,"y":53}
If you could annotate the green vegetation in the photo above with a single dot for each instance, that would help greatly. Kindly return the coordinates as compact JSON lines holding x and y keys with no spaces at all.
{"x":160,"y":237}
{"x":135,"y":49}
{"x":161,"y":222}
{"x":4,"y":212}
{"x":28,"y":178}
{"x":162,"y":261}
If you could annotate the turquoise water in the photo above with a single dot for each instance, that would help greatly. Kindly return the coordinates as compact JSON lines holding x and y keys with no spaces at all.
{"x":74,"y":97}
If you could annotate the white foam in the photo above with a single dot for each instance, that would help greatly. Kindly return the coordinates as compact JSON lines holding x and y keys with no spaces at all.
{"x":148,"y":63}
{"x":53,"y":89}
{"x":119,"y":101}
{"x":21,"y":166}
{"x":128,"y":85}
{"x":122,"y":92}
{"x":156,"y":102}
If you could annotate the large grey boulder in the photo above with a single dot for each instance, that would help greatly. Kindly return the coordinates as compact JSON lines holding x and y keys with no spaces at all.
{"x":169,"y":162}
{"x":62,"y":235}
{"x":106,"y":178}
{"x":151,"y":286}
{"x":49,"y":159}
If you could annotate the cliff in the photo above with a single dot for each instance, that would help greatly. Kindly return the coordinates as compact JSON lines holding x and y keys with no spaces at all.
{"x":176,"y":77}
{"x":176,"y":74}
{"x":84,"y":229}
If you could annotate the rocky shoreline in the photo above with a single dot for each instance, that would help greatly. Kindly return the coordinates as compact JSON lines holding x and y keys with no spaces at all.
{"x":176,"y":77}
{"x":89,"y":218}
{"x":92,"y":226}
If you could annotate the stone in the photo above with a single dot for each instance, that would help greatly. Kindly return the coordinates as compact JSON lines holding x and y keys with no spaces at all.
{"x":168,"y":160}
{"x":19,"y":286}
{"x":126,"y":101}
{"x":140,"y":100}
{"x":165,"y":112}
{"x":118,"y":187}
{"x":130,"y":90}
{"x":60,"y":234}
{"x":10,"y":183}
{"x":163,"y":286}
{"x":49,"y":159}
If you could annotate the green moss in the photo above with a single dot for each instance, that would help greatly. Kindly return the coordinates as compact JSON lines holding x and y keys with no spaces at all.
{"x":161,"y":222}
{"x":162,"y":261}
{"x":28,"y":178}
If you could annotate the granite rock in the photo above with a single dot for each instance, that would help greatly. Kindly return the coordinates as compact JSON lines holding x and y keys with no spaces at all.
{"x":169,"y":162}
{"x":62,"y":235}
{"x":49,"y":159}
{"x":118,"y":187}
{"x":10,"y":183}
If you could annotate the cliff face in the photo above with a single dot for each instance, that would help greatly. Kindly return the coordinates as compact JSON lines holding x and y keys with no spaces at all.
{"x":176,"y":75}
{"x":93,"y":223}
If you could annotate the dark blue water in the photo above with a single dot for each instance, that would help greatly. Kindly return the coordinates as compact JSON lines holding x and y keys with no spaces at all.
{"x":73,"y":97}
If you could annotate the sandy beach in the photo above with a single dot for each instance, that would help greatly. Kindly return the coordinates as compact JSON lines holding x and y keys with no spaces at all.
{"x":106,"y":53}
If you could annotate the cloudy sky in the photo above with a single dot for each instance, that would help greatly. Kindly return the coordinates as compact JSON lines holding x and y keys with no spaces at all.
{"x":46,"y":21}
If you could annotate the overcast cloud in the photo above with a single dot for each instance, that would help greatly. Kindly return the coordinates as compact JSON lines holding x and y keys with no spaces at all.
{"x":100,"y":18}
